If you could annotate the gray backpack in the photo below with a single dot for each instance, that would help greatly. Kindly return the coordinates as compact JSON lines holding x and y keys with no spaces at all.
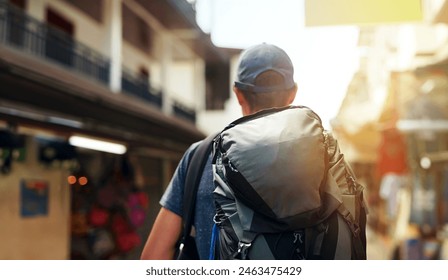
{"x":284,"y":191}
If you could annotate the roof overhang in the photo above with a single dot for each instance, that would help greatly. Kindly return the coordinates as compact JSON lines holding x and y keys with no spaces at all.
{"x":179,"y":17}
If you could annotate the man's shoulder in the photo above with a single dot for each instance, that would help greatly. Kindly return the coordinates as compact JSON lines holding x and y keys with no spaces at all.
{"x":189,"y":152}
{"x":208,"y":141}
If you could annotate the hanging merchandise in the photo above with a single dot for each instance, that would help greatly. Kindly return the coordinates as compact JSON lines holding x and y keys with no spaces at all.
{"x":431,"y":249}
{"x":104,"y":244}
{"x":137,"y":204}
{"x":114,"y":209}
{"x":411,"y":249}
{"x":137,"y":216}
{"x":117,"y":185}
{"x":127,"y":241}
{"x":423,"y":209}
{"x":391,"y":185}
{"x":392,"y":156}
{"x":98,"y":217}
{"x":108,"y":196}
{"x":125,"y":235}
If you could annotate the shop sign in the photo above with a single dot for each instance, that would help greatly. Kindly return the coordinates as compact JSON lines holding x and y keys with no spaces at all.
{"x":361,"y":12}
{"x":33,"y":197}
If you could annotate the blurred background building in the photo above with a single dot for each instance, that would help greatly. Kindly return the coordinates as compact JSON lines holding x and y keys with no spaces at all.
{"x":135,"y":73}
{"x":144,"y":78}
{"x":392,"y":127}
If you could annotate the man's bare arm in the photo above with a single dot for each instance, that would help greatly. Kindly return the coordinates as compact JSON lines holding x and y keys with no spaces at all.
{"x":161,"y":243}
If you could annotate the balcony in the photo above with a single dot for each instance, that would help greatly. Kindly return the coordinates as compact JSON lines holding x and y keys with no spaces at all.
{"x":22,"y":32}
{"x":182,"y":111}
{"x":138,"y":86}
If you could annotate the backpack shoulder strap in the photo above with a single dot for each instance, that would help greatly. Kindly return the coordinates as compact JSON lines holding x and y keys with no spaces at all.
{"x":194,"y":171}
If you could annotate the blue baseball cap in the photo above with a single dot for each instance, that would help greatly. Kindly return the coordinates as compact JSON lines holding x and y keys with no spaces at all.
{"x":261,"y":58}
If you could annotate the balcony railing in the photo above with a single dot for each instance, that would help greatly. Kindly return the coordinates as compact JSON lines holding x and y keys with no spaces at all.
{"x":25,"y":33}
{"x":184,"y":112}
{"x":138,"y":86}
{"x":22,"y":32}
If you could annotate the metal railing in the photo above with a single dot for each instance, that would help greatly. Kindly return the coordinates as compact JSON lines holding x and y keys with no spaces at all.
{"x":138,"y":86}
{"x":22,"y":32}
{"x":182,"y":111}
{"x":27,"y":34}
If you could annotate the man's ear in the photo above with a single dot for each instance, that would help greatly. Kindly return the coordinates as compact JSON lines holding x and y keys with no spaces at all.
{"x":292,"y":94}
{"x":242,"y":101}
{"x":240,"y":96}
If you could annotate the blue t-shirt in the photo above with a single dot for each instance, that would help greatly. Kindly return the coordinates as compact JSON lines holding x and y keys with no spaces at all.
{"x":172,"y":200}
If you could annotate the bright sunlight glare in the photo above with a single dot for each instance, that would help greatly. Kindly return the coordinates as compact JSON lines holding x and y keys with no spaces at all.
{"x":325,"y":58}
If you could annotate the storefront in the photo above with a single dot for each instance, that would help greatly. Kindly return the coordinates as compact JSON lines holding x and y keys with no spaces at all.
{"x":65,"y":202}
{"x":52,"y":193}
{"x":424,"y":125}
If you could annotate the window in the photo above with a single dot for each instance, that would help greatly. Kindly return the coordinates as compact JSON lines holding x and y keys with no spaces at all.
{"x":136,"y":31}
{"x":94,"y":9}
